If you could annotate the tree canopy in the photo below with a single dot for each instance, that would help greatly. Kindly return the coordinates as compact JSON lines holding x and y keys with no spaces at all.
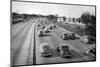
{"x":90,"y":21}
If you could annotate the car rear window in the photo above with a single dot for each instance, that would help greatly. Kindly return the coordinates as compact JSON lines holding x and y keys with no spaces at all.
{"x":65,"y":47}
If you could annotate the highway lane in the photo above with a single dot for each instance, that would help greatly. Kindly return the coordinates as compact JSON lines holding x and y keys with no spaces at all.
{"x":15,"y":28}
{"x":77,"y":48}
{"x":22,"y":44}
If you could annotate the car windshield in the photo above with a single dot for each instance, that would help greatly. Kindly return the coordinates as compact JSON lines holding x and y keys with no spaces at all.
{"x":65,"y":34}
{"x":64,"y":47}
{"x":46,"y":47}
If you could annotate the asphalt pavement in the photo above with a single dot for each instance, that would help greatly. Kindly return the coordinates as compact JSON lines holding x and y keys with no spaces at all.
{"x":22,"y":43}
{"x":53,"y":38}
{"x":25,"y":44}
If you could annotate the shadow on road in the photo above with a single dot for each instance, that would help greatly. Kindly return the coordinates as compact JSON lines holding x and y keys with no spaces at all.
{"x":74,"y":54}
{"x":46,"y":35}
{"x":54,"y":53}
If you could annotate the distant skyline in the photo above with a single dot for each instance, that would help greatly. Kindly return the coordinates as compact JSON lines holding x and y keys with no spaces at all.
{"x":47,"y":9}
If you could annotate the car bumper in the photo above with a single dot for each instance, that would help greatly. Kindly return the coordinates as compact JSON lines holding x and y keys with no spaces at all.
{"x":45,"y":55}
{"x":65,"y":56}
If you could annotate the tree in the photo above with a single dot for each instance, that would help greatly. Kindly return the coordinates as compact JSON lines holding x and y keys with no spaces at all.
{"x":91,"y":27}
{"x":52,"y":18}
{"x":64,"y":18}
{"x":73,"y":19}
{"x":86,"y":18}
{"x":79,"y":20}
{"x":25,"y":16}
{"x":90,"y":22}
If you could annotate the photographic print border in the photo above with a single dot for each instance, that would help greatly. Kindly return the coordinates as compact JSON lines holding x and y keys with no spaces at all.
{"x":50,"y":3}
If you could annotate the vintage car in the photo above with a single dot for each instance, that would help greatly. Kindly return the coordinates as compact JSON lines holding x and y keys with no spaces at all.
{"x":68,"y":36}
{"x":43,"y":27}
{"x":40,"y":33}
{"x":45,"y":50}
{"x":88,"y":39}
{"x":64,"y":51}
{"x":91,"y":51}
{"x":54,"y":26}
{"x":38,"y":25}
{"x":46,"y":30}
{"x":50,"y":27}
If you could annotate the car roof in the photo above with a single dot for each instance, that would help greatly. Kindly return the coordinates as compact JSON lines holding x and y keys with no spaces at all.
{"x":63,"y":44}
{"x":40,"y":30}
{"x":44,"y":44}
{"x":68,"y":34}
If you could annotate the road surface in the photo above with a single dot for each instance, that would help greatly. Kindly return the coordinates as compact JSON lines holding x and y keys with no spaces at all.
{"x":77,"y":48}
{"x":25,"y":44}
{"x":22,"y":43}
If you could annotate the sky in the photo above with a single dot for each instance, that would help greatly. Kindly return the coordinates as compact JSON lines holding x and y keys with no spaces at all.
{"x":47,"y":9}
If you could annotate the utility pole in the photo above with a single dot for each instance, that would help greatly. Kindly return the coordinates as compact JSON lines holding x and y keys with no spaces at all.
{"x":75,"y":26}
{"x":69,"y":14}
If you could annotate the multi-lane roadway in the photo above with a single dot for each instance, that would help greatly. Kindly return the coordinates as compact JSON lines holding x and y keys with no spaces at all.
{"x":25,"y":44}
{"x":53,"y":38}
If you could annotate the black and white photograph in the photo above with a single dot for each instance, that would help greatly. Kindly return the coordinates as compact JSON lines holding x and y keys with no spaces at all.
{"x":52,"y":33}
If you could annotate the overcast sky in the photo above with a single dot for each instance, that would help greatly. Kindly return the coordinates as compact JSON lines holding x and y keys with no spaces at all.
{"x":46,"y":9}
